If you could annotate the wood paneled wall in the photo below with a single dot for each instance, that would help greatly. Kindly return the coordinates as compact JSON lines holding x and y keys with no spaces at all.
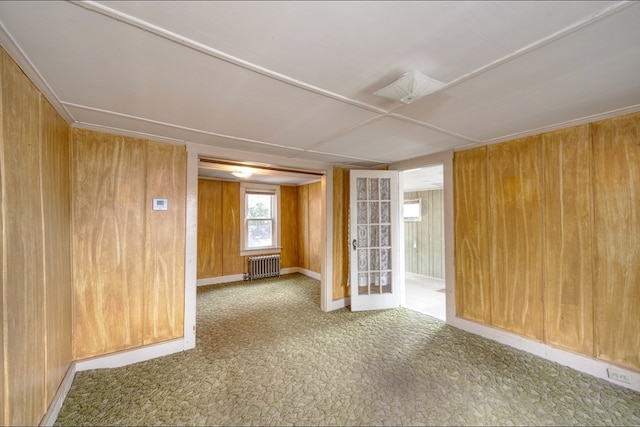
{"x":424,"y":240}
{"x":315,"y":229}
{"x":309,"y":220}
{"x":341,"y":249}
{"x":289,"y":226}
{"x":232,"y":262}
{"x":568,"y":239}
{"x":210,"y":205}
{"x":515,"y":235}
{"x":303,"y":226}
{"x":471,"y":224}
{"x":36,"y":285}
{"x":219,"y":228}
{"x":616,"y":262}
{"x":128,"y":259}
{"x":552,"y":251}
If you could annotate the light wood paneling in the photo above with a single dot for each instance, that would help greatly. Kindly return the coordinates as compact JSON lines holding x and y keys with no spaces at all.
{"x":568,"y":239}
{"x":56,"y":199}
{"x":315,"y":220}
{"x":340,"y":233}
{"x":209,"y":228}
{"x":24,"y":368}
{"x":35,"y":238}
{"x":471,"y":223}
{"x":515,"y":230}
{"x":289,"y":226}
{"x":303,"y":226}
{"x":128,"y":259}
{"x":232,"y":262}
{"x":616,"y":192}
{"x":4,"y":400}
{"x":109,"y":250}
{"x":424,"y":240}
{"x":165,"y":243}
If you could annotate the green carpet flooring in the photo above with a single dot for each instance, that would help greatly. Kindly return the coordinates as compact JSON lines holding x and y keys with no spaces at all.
{"x":267,"y":355}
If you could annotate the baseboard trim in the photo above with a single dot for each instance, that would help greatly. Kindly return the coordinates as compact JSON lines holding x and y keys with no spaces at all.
{"x":240,"y":277}
{"x":308,"y":273}
{"x":220,"y":279}
{"x":55,"y":406}
{"x":127,"y":357}
{"x":587,"y":365}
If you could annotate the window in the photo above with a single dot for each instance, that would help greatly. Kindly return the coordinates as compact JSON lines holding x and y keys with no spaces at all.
{"x":260,"y":232}
{"x":412,"y":210}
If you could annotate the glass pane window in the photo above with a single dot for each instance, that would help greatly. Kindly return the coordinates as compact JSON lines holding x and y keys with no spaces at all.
{"x":259,"y":233}
{"x":260,"y":206}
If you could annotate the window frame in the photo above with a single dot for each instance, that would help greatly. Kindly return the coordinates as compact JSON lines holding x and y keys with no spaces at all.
{"x":253,"y":188}
{"x":417,"y":202}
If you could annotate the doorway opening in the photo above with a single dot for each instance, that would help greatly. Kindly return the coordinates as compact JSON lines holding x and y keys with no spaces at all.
{"x":424,"y":240}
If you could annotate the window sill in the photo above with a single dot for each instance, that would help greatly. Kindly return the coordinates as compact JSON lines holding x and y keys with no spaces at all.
{"x":261,"y":251}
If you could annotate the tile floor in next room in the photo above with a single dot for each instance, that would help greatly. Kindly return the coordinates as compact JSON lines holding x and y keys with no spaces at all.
{"x":425,"y":295}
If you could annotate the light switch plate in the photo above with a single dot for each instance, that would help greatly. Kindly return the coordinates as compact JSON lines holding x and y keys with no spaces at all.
{"x":160,"y":204}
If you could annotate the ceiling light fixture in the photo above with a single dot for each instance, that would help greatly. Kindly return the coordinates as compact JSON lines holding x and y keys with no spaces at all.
{"x":243,"y":172}
{"x":411,"y":86}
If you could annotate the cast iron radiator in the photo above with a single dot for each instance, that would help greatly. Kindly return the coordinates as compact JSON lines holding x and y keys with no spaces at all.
{"x":264,"y":266}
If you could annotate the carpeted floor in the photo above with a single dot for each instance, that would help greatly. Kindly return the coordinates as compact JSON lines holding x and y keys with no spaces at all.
{"x":267,"y":355}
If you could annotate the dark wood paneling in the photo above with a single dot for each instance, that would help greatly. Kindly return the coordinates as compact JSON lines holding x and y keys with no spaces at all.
{"x":164,"y":243}
{"x":232,"y":262}
{"x":209,"y":228}
{"x":568,"y":239}
{"x":289,"y":226}
{"x":471,"y":224}
{"x":616,"y":192}
{"x":515,"y":233}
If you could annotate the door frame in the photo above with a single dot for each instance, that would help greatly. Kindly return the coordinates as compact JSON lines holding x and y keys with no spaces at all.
{"x":194,"y":152}
{"x":446,"y":160}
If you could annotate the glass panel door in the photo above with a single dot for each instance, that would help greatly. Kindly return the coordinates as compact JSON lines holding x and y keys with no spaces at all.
{"x":374,"y":222}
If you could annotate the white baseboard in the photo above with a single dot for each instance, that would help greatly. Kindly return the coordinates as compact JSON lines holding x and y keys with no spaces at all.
{"x":127,"y":357}
{"x":220,"y":279}
{"x":308,"y":273}
{"x":240,"y":277}
{"x":51,"y":415}
{"x":588,"y":365}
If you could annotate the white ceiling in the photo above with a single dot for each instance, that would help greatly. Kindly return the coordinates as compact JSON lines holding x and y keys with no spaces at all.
{"x":296,"y":79}
{"x":423,"y":179}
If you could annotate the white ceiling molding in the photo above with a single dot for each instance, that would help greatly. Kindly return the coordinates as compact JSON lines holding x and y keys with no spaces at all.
{"x":563,"y":125}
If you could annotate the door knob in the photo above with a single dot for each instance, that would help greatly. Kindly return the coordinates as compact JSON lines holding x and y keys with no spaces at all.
{"x":354,"y":244}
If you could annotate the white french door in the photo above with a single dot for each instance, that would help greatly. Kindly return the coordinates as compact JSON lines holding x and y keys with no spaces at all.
{"x":374,"y":240}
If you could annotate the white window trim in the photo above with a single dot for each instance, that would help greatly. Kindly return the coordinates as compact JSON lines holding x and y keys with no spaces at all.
{"x":418,"y":202}
{"x":273,"y":249}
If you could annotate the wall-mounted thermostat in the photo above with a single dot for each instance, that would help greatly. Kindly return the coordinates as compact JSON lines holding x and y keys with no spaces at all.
{"x":160,"y":204}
